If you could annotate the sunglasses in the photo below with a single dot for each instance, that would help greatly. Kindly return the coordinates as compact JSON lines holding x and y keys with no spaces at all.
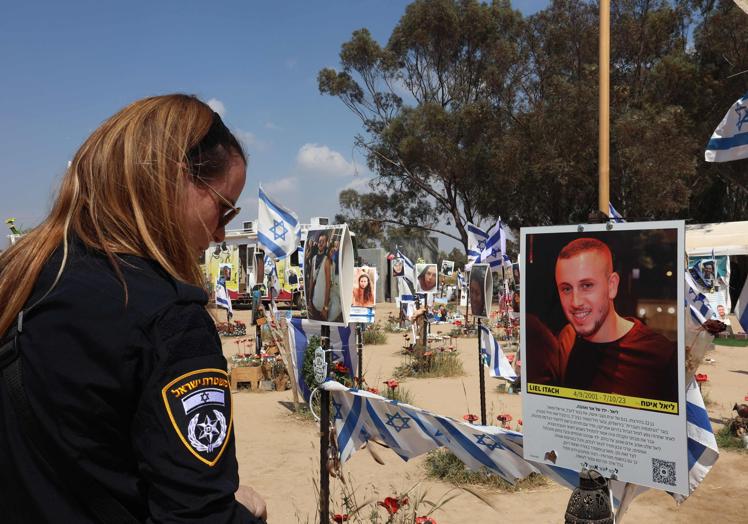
{"x":231,"y":213}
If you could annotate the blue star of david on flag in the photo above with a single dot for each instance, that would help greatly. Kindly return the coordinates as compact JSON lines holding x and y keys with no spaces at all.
{"x":742,"y":112}
{"x":274,"y":223}
{"x":278,"y":225}
{"x":491,"y":443}
{"x":337,"y":415}
{"x":398,"y":422}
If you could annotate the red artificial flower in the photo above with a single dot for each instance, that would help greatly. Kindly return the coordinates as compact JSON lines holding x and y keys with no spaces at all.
{"x":340,"y":367}
{"x":701,"y":377}
{"x":504,"y":417}
{"x":391,"y":383}
{"x":373,"y":390}
{"x":519,"y":421}
{"x":470,"y":417}
{"x":392,"y":504}
{"x":425,"y":520}
{"x":339,"y":518}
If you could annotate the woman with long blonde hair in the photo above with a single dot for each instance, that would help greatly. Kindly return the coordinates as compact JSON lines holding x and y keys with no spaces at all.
{"x":114,"y":398}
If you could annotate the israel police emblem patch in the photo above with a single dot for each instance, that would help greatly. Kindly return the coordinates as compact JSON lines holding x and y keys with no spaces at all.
{"x":199,"y":406}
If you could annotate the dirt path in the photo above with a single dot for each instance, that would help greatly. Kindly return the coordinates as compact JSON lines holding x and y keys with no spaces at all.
{"x":279,"y":455}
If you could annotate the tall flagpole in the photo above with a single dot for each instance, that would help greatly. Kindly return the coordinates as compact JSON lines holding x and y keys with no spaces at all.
{"x":604,"y":127}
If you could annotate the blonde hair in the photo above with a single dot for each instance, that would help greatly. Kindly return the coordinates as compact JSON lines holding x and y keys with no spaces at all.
{"x":124,"y":193}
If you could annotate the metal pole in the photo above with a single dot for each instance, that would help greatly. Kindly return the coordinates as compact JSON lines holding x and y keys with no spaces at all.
{"x":481,"y":372}
{"x":360,"y":349}
{"x":324,"y":439}
{"x":604,"y":100}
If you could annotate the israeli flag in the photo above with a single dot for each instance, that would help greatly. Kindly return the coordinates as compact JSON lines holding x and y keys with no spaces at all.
{"x":614,"y":215}
{"x":476,"y":240}
{"x":460,"y":280}
{"x":360,"y":416}
{"x":697,"y":303}
{"x":741,"y":306}
{"x":407,"y":282}
{"x":301,"y":256}
{"x":730,"y":141}
{"x":494,"y":248}
{"x":493,"y":356}
{"x":223,"y":300}
{"x":272,"y":273}
{"x":278,"y":229}
{"x":342,"y":342}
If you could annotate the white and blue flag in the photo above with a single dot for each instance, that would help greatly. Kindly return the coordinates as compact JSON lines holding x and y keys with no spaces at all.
{"x":493,"y":356}
{"x":223,"y":300}
{"x":476,"y":240}
{"x":278,"y":229}
{"x":614,"y":215}
{"x":342,"y":342}
{"x":494,"y":246}
{"x":406,"y":283}
{"x":360,"y":416}
{"x":730,"y":140}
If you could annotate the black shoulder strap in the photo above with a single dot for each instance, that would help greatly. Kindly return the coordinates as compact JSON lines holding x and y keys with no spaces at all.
{"x":58,"y":465}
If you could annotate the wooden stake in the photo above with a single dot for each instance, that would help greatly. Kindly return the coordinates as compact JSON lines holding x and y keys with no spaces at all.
{"x":604,"y":100}
{"x":324,"y":439}
{"x":481,"y":372}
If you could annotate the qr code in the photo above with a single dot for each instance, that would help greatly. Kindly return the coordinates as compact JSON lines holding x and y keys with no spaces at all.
{"x":663,"y":472}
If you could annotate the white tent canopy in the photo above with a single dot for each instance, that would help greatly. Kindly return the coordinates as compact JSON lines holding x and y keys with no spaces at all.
{"x":723,"y":238}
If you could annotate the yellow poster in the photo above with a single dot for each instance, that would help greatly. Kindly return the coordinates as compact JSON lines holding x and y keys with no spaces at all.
{"x":224,"y":263}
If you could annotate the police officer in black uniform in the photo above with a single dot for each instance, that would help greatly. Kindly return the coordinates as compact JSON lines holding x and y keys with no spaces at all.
{"x":114,"y":399}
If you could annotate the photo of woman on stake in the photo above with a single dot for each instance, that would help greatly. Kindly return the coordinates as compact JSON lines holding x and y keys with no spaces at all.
{"x":363,"y":287}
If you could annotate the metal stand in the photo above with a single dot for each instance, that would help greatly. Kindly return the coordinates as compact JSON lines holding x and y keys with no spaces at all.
{"x":324,"y":439}
{"x":360,"y":350}
{"x":481,"y":374}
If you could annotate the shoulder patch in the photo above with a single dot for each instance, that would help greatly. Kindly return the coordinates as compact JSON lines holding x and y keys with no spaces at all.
{"x":199,"y":406}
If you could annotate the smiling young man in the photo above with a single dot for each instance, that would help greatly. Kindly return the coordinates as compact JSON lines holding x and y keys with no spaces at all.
{"x":607,"y":352}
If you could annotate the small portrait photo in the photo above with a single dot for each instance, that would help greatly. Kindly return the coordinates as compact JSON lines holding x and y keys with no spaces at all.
{"x":225,"y":272}
{"x":398,"y":267}
{"x":322,"y":275}
{"x":602,"y":310}
{"x":427,"y":278}
{"x":479,"y":290}
{"x":448,"y":267}
{"x":364,"y":286}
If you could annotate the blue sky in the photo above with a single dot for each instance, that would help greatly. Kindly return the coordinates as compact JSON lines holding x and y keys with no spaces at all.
{"x":69,"y":65}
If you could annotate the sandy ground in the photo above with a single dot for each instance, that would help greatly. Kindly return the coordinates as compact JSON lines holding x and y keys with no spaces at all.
{"x":279,"y":454}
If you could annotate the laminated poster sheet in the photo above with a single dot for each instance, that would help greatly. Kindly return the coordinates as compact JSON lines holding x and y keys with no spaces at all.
{"x":603,"y":350}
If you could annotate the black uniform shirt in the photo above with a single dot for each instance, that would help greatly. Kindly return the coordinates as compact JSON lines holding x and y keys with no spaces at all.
{"x":137,"y":394}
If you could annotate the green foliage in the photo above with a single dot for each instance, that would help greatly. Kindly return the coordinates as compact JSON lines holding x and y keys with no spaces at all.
{"x":444,"y":465}
{"x":727,"y":438}
{"x":400,"y":393}
{"x":430,"y":364}
{"x":307,"y":367}
{"x":375,"y":334}
{"x":470,"y":111}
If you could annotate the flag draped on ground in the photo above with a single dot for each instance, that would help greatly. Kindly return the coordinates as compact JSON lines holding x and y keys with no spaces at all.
{"x":493,"y":356}
{"x":278,"y":229}
{"x":410,"y":431}
{"x":223,"y":300}
{"x":730,"y":140}
{"x":342,"y":342}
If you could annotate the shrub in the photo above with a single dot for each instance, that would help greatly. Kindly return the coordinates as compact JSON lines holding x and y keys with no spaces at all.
{"x":374,"y":334}
{"x":442,"y":464}
{"x":430,"y":364}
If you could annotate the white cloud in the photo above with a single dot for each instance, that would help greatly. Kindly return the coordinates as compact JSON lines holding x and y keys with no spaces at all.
{"x":272,"y":126}
{"x":283,"y":185}
{"x":250,"y":140}
{"x":217,"y":106}
{"x":322,"y":159}
{"x":359,"y":183}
